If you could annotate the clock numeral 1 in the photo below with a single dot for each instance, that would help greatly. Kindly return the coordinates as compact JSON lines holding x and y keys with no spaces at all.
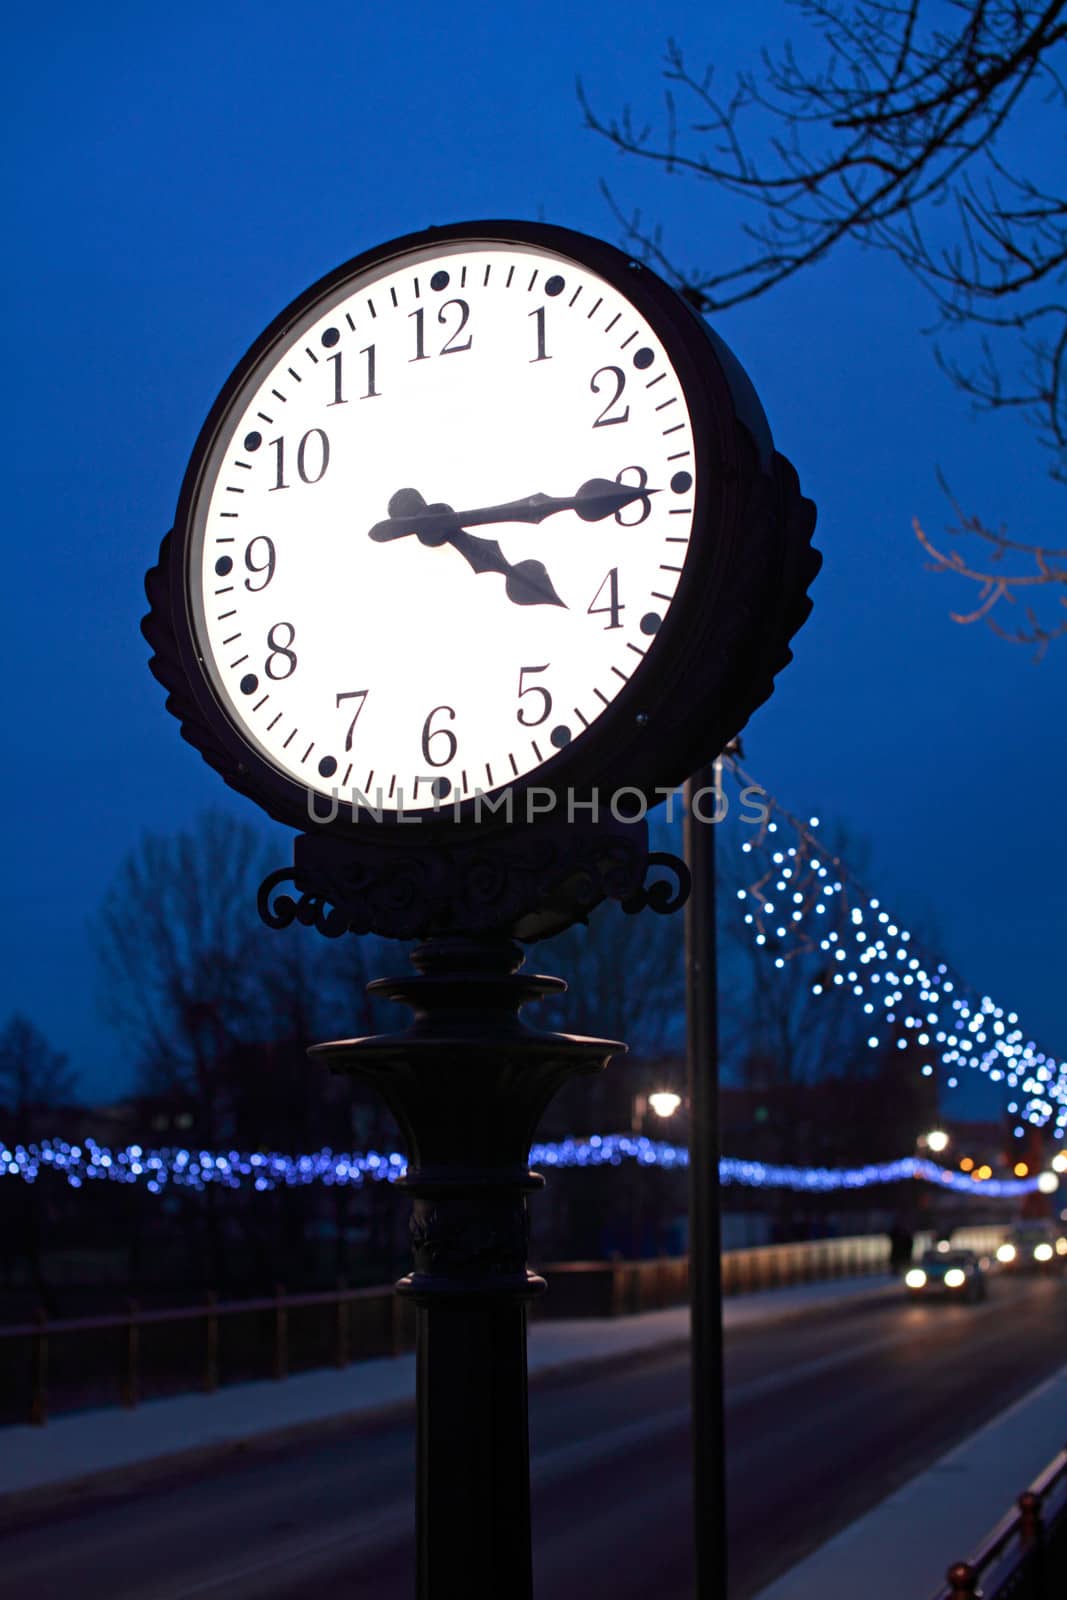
{"x":534,"y":688}
{"x":370,"y":392}
{"x":542,"y":354}
{"x":302,"y":463}
{"x":280,"y":650}
{"x":353,"y":694}
{"x":614,"y":605}
{"x":446,"y":734}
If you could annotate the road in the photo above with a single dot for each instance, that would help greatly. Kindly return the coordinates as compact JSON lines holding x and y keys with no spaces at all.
{"x":825,"y":1417}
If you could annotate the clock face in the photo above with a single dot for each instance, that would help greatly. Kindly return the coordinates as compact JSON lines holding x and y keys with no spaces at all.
{"x":440,"y":522}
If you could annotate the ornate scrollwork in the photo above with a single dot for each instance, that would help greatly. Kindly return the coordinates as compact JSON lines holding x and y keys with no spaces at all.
{"x":660,"y":895}
{"x":468,"y":1238}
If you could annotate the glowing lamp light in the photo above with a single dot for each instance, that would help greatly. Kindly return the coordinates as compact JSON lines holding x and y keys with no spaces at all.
{"x":664,"y":1102}
{"x":1006,"y":1252}
{"x":1043,"y":1252}
{"x":1059,"y":1162}
{"x":916,"y":1278}
{"x":937,"y":1140}
{"x":1020,"y":1169}
{"x":1047,"y":1183}
{"x":955,"y":1278}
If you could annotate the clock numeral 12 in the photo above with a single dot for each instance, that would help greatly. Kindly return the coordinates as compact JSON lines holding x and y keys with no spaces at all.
{"x":450,"y":346}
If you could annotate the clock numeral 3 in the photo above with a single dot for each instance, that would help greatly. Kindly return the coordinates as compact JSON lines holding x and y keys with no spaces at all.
{"x":614,"y":604}
{"x":619,"y":378}
{"x":450,"y":346}
{"x":353,"y":694}
{"x":642,"y":506}
{"x":429,"y":734}
{"x":258,"y":566}
{"x":304,"y":465}
{"x":280,"y":650}
{"x":534,"y":688}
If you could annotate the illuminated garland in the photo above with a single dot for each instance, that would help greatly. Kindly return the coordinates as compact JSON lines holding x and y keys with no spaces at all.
{"x":805,"y":902}
{"x":196,"y":1169}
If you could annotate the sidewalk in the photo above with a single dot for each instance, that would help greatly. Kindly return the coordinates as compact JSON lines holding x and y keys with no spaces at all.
{"x":39,"y":1465}
{"x":902,"y":1549}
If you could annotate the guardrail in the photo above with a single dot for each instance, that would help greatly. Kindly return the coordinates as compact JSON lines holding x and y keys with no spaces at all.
{"x":1025,"y":1556}
{"x":79,"y":1362}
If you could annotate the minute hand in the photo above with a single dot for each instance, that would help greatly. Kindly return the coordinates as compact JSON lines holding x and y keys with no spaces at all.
{"x":595,"y":500}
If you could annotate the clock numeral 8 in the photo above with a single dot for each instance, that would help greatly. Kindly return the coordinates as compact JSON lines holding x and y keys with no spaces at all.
{"x":446,"y":734}
{"x":280,"y":651}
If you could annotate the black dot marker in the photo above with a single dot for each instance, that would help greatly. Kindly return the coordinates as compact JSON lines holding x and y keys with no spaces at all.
{"x":644,"y":358}
{"x":439,"y":280}
{"x":327,"y":767}
{"x":249,"y":683}
{"x":650,"y":622}
{"x":330,"y":337}
{"x":223,"y":566}
{"x":555,"y":285}
{"x":253,"y":441}
{"x":681,"y":483}
{"x":560,"y":736}
{"x":440,"y":788}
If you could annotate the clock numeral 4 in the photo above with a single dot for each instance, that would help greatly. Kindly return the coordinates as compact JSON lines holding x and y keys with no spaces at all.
{"x":353,"y":694}
{"x":614,"y":604}
{"x":280,"y":651}
{"x":534,"y":688}
{"x":310,"y":464}
{"x":618,"y":377}
{"x":451,"y":346}
{"x":429,"y":734}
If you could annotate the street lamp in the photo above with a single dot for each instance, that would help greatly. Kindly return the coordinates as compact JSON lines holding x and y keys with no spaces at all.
{"x":664,"y":1102}
{"x":1047,"y":1182}
{"x":936,"y":1140}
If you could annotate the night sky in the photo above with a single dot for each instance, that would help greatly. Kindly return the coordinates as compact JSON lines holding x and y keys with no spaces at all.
{"x":175,"y":177}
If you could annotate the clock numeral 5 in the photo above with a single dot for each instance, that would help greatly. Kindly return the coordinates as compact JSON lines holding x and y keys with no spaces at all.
{"x":353,"y":694}
{"x":429,"y":734}
{"x":534,"y":688}
{"x":280,"y":650}
{"x":614,"y":605}
{"x":303,"y":464}
{"x":450,"y":347}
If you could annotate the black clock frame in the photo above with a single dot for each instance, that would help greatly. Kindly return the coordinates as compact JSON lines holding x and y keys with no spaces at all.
{"x":741,"y":596}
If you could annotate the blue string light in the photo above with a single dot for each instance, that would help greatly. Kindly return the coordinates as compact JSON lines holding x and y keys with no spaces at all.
{"x":86,"y":1163}
{"x":805,"y":902}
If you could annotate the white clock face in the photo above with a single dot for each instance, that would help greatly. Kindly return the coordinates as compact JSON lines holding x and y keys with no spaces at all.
{"x":379,"y":606}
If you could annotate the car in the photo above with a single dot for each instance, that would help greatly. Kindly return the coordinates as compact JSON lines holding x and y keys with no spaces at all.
{"x":946,"y":1273}
{"x":1036,"y":1244}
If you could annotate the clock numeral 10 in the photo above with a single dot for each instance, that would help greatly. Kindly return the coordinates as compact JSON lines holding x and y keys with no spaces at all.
{"x":304,"y":465}
{"x":534,"y":688}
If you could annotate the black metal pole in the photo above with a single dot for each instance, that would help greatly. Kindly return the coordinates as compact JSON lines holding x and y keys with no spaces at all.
{"x":705,"y":1248}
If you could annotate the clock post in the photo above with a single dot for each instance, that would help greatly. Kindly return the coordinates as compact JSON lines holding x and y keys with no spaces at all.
{"x":413,"y":697}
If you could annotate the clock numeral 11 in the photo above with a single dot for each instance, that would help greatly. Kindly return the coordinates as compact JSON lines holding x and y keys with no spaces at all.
{"x":369,"y":393}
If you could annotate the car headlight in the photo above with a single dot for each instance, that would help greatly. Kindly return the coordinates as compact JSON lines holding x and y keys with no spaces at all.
{"x":916,"y":1278}
{"x":1043,"y":1252}
{"x":1006,"y":1252}
{"x":955,"y":1278}
{"x":1061,"y":1247}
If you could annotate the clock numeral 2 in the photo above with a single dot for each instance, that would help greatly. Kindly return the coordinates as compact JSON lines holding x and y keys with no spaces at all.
{"x":450,"y":346}
{"x":280,"y":650}
{"x":614,"y":605}
{"x":446,"y":734}
{"x":353,"y":694}
{"x":619,"y":376}
{"x":534,"y":688}
{"x":302,"y":463}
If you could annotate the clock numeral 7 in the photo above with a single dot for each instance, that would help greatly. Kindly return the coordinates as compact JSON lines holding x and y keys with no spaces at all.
{"x":534,"y":688}
{"x":353,"y":694}
{"x":614,"y":605}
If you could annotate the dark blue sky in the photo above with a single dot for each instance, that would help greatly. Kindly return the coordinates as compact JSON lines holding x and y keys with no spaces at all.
{"x":176,"y":178}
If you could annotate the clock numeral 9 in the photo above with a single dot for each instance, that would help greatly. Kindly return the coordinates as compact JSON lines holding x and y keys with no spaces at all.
{"x":618,"y":377}
{"x":280,"y":650}
{"x":255,"y":564}
{"x":303,"y":465}
{"x":429,"y":734}
{"x":450,"y":347}
{"x":643,"y":506}
{"x":534,"y":688}
{"x":614,"y":604}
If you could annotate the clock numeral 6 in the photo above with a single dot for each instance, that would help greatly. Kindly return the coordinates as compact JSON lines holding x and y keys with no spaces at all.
{"x":306,"y":461}
{"x":429,"y":734}
{"x":261,"y":563}
{"x":534,"y":688}
{"x":618,"y":377}
{"x":280,"y":651}
{"x":642,"y":506}
{"x":614,"y":604}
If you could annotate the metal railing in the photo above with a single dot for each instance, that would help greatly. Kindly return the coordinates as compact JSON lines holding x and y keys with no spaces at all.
{"x":74,"y":1363}
{"x":1025,"y":1556}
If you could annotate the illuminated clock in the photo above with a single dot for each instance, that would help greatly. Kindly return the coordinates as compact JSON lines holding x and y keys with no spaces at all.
{"x":486,"y":508}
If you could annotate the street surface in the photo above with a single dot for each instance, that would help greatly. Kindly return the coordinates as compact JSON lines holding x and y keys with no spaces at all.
{"x":825,"y":1417}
